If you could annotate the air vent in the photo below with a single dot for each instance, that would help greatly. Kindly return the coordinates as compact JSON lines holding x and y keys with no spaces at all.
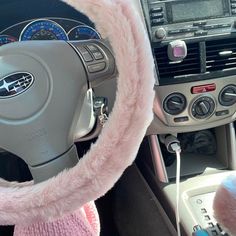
{"x":221,"y":55}
{"x":189,"y":66}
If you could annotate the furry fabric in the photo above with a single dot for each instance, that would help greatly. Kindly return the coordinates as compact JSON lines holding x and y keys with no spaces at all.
{"x":117,"y":146}
{"x":83,"y":222}
{"x":225,"y":205}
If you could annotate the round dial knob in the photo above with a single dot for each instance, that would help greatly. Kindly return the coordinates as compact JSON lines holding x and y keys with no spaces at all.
{"x":203,"y":107}
{"x":175,"y":103}
{"x":227,"y":95}
{"x":160,"y":33}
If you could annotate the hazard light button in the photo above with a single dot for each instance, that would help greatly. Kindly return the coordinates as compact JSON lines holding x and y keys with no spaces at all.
{"x":203,"y":88}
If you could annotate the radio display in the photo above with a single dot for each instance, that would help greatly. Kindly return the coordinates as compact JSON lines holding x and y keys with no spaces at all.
{"x":196,"y":10}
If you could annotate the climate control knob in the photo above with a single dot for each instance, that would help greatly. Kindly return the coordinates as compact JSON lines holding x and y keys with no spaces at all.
{"x":203,"y":107}
{"x":227,"y":95}
{"x":175,"y":103}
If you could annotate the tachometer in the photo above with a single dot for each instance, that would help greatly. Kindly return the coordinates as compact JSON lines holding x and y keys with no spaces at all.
{"x":43,"y":30}
{"x":83,"y":33}
{"x":4,"y":39}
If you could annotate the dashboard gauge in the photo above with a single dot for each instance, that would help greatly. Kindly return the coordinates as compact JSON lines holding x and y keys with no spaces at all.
{"x":83,"y":33}
{"x":5,"y":39}
{"x":43,"y":30}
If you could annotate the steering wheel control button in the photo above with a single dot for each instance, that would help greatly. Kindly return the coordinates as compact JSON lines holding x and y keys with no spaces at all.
{"x":98,"y":55}
{"x":85,"y":54}
{"x":203,"y":88}
{"x":175,"y":103}
{"x":87,"y":57}
{"x":96,"y":52}
{"x":92,"y":48}
{"x":102,"y":66}
{"x":227,"y":96}
{"x":94,"y":68}
{"x":203,"y":107}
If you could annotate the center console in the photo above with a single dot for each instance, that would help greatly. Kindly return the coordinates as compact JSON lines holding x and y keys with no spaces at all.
{"x":194,"y":48}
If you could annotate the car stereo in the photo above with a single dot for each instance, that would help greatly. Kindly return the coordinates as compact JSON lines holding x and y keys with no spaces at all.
{"x":191,"y":10}
{"x":171,"y":19}
{"x":192,"y":40}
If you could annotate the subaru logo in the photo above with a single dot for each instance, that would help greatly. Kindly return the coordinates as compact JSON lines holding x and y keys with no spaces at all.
{"x":15,"y":84}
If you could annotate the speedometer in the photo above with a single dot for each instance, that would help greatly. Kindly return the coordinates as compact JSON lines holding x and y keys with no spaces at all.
{"x":43,"y":30}
{"x":83,"y":32}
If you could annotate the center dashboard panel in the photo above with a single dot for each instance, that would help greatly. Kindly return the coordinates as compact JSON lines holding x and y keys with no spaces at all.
{"x":194,"y":48}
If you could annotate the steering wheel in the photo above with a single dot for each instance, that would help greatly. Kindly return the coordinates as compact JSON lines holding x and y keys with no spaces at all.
{"x":43,"y":89}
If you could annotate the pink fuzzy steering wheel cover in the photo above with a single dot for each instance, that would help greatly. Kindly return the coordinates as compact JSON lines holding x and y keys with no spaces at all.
{"x":119,"y":141}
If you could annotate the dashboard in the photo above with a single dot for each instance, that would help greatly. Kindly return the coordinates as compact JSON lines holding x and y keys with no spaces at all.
{"x":47,"y":20}
{"x":48,"y":29}
{"x":193,"y":43}
{"x":194,"y":92}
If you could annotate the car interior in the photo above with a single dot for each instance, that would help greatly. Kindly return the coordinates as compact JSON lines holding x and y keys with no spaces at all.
{"x":193,"y":44}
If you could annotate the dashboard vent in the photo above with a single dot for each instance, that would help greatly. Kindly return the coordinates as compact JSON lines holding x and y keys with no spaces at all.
{"x":189,"y":66}
{"x":221,"y":55}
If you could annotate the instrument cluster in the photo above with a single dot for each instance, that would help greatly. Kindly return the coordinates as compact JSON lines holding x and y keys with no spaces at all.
{"x":48,"y":29}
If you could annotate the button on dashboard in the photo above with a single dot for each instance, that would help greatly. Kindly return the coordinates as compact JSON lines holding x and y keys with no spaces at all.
{"x":157,"y":22}
{"x":176,"y":31}
{"x":190,"y":29}
{"x":233,"y":11}
{"x":203,"y":88}
{"x":156,"y":9}
{"x":224,"y":25}
{"x":157,"y":15}
{"x":199,"y":23}
{"x":181,"y":119}
{"x":222,"y":113}
{"x":209,"y":27}
{"x":233,"y":5}
{"x":200,"y":33}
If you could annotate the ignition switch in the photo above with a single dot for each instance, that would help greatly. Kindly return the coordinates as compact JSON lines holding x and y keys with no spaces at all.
{"x":101,"y":109}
